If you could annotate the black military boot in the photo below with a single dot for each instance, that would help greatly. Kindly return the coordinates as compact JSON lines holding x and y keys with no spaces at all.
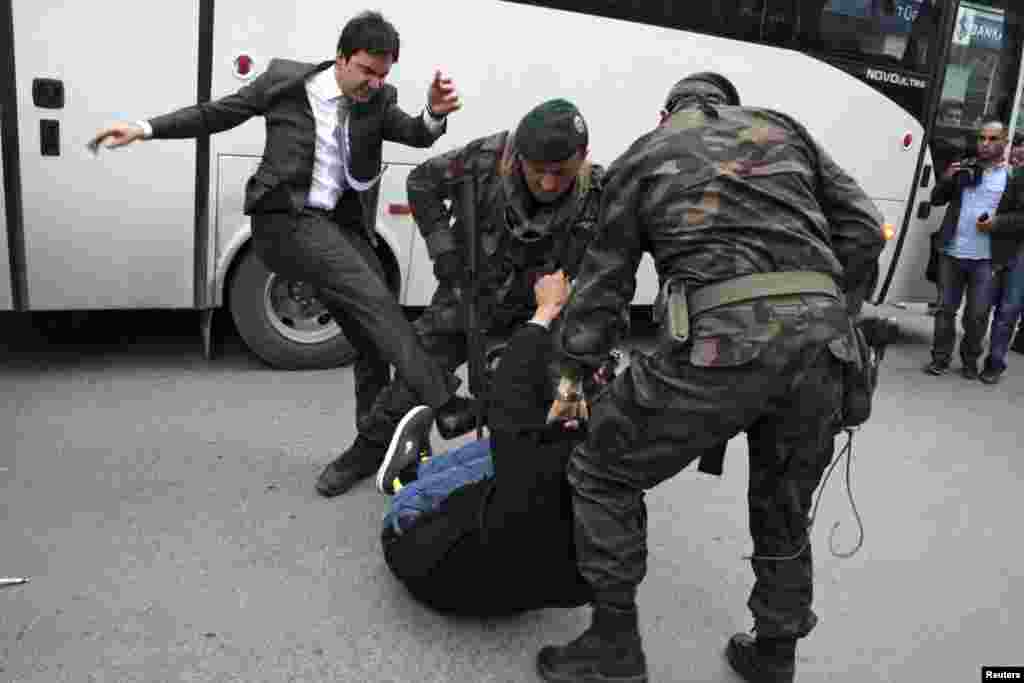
{"x":456,"y":417}
{"x":762,"y":660}
{"x":609,"y":651}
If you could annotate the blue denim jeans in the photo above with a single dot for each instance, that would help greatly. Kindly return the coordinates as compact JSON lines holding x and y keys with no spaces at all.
{"x":1009,"y":306}
{"x":436,"y":479}
{"x":958,"y":277}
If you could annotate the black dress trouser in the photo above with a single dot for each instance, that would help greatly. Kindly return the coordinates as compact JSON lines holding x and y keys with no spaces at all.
{"x":333,"y":253}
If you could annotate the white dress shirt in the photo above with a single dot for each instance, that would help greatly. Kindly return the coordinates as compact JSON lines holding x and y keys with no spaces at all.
{"x":330,"y":166}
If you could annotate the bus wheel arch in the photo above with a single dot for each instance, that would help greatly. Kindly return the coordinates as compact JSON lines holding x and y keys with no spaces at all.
{"x":280,"y":321}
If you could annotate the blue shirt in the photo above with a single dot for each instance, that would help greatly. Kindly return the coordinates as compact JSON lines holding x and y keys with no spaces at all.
{"x":968,"y":242}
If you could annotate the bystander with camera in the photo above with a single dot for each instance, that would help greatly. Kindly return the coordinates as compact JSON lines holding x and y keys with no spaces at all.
{"x":972,"y":188}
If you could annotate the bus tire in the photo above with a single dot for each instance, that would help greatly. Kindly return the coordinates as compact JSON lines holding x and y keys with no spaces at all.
{"x":282,"y":322}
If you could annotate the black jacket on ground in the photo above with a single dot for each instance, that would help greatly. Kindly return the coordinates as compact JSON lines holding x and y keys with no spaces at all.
{"x":504,"y":545}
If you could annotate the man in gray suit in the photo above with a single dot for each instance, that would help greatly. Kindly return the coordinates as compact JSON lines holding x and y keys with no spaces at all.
{"x":313,"y":201}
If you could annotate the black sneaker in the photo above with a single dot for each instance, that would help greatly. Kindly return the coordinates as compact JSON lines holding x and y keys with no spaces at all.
{"x":936,"y":368}
{"x":991,"y":376}
{"x":761,"y":661}
{"x":409,"y":445}
{"x":969,"y":372}
{"x":360,"y":461}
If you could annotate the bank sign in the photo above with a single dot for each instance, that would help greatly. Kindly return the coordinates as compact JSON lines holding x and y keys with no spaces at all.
{"x":979,"y":27}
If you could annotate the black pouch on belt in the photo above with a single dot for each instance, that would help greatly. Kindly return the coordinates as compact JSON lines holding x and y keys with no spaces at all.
{"x":870,"y":336}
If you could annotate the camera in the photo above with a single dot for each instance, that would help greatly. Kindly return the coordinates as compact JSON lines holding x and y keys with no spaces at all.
{"x":970,"y":173}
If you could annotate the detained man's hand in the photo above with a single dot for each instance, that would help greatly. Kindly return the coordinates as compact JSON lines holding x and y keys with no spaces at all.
{"x":551,"y":292}
{"x":569,"y":404}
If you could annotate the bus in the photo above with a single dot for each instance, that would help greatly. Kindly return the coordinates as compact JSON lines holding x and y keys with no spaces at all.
{"x":160,"y":225}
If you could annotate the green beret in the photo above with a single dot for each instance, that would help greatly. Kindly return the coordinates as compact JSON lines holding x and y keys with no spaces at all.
{"x":552,"y":131}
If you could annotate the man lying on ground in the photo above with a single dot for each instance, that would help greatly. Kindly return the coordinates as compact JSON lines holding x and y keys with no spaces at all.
{"x":486,"y":529}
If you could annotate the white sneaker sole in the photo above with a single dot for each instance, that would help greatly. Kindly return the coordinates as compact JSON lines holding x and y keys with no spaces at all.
{"x":392,"y":454}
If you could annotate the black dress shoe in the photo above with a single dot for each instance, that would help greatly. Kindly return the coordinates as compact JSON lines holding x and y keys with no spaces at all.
{"x":759,"y":661}
{"x":456,"y":417}
{"x":969,"y":372}
{"x":359,"y":462}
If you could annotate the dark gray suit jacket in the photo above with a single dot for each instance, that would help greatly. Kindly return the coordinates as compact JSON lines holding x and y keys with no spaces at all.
{"x":282,"y":181}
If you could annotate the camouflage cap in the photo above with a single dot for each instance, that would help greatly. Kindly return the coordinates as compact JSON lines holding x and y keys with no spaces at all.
{"x":732,"y":96}
{"x":551,"y":131}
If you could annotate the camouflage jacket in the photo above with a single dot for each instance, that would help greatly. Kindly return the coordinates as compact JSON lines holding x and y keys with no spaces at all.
{"x":714,"y":198}
{"x":503,"y":204}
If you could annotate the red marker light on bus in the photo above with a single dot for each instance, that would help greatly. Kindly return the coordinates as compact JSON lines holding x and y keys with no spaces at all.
{"x":908,"y":140}
{"x":243,"y":65}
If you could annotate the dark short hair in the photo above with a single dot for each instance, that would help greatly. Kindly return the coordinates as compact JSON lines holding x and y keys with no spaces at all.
{"x":723,"y":84}
{"x":1018,"y":139}
{"x":369,"y":31}
{"x":993,"y":121}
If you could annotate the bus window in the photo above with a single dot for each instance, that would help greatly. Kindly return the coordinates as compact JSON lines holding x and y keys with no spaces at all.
{"x":889,"y":44}
{"x":980,"y":79}
{"x":895,"y":33}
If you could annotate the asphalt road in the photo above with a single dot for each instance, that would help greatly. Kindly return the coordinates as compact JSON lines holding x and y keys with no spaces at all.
{"x":163,"y":507}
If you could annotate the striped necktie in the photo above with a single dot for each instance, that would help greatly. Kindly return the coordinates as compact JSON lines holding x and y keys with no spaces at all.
{"x":344,"y":107}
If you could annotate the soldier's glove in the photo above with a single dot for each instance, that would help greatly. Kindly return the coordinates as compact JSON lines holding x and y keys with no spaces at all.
{"x":448,"y":268}
{"x":569,"y":403}
{"x":605,"y":372}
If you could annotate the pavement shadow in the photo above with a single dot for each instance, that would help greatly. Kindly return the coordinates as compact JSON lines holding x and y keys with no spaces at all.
{"x":162,"y":337}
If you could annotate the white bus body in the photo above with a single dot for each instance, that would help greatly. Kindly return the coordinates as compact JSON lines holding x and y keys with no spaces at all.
{"x":133,"y":228}
{"x":619,"y":90}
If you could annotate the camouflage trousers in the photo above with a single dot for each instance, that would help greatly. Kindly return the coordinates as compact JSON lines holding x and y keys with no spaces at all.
{"x":441,"y":331}
{"x":662,"y":413}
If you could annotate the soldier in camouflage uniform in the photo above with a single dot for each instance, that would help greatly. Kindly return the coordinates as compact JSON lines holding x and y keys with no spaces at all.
{"x":725,"y":198}
{"x":537,"y":198}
